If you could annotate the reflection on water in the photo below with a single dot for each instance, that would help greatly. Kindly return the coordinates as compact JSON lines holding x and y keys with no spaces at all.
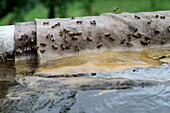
{"x":142,"y":80}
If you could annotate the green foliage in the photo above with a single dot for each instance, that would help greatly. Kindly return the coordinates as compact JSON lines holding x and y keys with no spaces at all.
{"x":28,"y":10}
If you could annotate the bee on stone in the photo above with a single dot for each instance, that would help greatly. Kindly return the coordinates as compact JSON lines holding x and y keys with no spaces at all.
{"x":21,"y":38}
{"x":68,"y":46}
{"x":163,"y":41}
{"x":27,"y":49}
{"x":48,"y":36}
{"x":112,"y":38}
{"x":74,"y":37}
{"x":66,"y":30}
{"x":168,"y":28}
{"x":79,"y":22}
{"x":99,"y":45}
{"x":52,"y":39}
{"x":157,"y":31}
{"x":147,"y":38}
{"x":73,"y":17}
{"x":157,"y":16}
{"x":25,"y":42}
{"x":78,"y":33}
{"x":129,"y":37}
{"x":45,"y":23}
{"x":34,"y":32}
{"x":107,"y":34}
{"x":162,"y":17}
{"x":43,"y":44}
{"x":62,"y":46}
{"x":31,"y":40}
{"x":61,"y":33}
{"x":9,"y":54}
{"x":93,"y":22}
{"x":149,"y":21}
{"x":65,"y":39}
{"x":83,"y":38}
{"x":72,"y":33}
{"x":35,"y":47}
{"x":145,"y":42}
{"x":137,"y":17}
{"x":3,"y":58}
{"x":77,"y":48}
{"x":89,"y":39}
{"x":19,"y":50}
{"x":54,"y":47}
{"x":122,"y":41}
{"x":129,"y":44}
{"x":42,"y":51}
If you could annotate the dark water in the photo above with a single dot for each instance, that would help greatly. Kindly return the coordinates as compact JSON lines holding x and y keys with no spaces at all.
{"x":43,"y":94}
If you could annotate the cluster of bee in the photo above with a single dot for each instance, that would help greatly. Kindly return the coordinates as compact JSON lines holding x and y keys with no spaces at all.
{"x":27,"y":44}
{"x":6,"y":56}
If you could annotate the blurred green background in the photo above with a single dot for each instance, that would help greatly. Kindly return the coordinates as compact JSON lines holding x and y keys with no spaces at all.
{"x":12,"y":11}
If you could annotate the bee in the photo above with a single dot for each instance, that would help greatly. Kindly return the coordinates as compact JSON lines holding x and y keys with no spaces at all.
{"x":107,"y":34}
{"x":21,"y":38}
{"x":66,"y":30}
{"x":58,"y":24}
{"x":162,"y":17}
{"x":61,"y":33}
{"x":42,"y":51}
{"x":145,"y":42}
{"x":31,"y":40}
{"x":93,"y":22}
{"x":62,"y":46}
{"x":43,"y":44}
{"x":168,"y":28}
{"x":48,"y":36}
{"x":19,"y":50}
{"x":68,"y":46}
{"x":149,"y":21}
{"x":25,"y":43}
{"x":34,"y":32}
{"x":123,"y":40}
{"x":73,"y":17}
{"x":77,"y":48}
{"x":52,"y":39}
{"x":163,"y":41}
{"x":74,"y":37}
{"x":137,"y":17}
{"x":72,"y":33}
{"x":3,"y":58}
{"x":35,"y":47}
{"x":83,"y":38}
{"x":25,"y":36}
{"x":54,"y":47}
{"x":99,"y":45}
{"x":129,"y":44}
{"x":89,"y":39}
{"x":45,"y":23}
{"x":79,"y":22}
{"x":9,"y":55}
{"x":78,"y":33}
{"x":147,"y":38}
{"x":116,"y":9}
{"x":65,"y":39}
{"x":27,"y":49}
{"x":157,"y":31}
{"x":112,"y":38}
{"x":157,"y":16}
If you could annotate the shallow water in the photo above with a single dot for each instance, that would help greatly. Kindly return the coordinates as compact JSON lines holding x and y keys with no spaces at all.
{"x":93,"y":82}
